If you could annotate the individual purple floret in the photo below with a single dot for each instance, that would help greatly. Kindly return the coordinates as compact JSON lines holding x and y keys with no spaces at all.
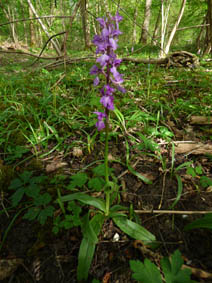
{"x":100,"y":123}
{"x":106,"y":44}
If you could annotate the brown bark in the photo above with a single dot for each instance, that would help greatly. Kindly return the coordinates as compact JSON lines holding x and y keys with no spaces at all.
{"x":156,"y":29}
{"x":56,"y":47}
{"x":210,"y":24}
{"x":31,"y":30}
{"x":134,"y":22}
{"x":64,"y":45}
{"x":175,"y":26}
{"x":85,"y":23}
{"x":145,"y":27}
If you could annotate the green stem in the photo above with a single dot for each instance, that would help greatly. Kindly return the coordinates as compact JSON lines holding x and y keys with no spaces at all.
{"x":107,"y":190}
{"x":107,"y":194}
{"x":107,"y":112}
{"x":106,"y":147}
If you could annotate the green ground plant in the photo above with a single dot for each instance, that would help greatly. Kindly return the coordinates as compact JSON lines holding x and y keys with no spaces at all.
{"x":43,"y":114}
{"x":172,"y":272}
{"x":29,"y":185}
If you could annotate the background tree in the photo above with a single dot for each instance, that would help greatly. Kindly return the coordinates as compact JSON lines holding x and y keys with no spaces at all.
{"x":182,"y":8}
{"x":60,"y":16}
{"x":145,"y":27}
{"x":209,"y":29}
{"x":85,"y":23}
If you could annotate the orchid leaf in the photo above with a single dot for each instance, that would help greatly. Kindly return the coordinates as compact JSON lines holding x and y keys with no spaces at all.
{"x":86,"y":199}
{"x":140,"y":176}
{"x":134,"y":230}
{"x":204,"y":222}
{"x":88,"y":244}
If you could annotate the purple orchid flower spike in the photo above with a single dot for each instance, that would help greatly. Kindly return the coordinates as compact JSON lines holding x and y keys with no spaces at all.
{"x":106,"y":44}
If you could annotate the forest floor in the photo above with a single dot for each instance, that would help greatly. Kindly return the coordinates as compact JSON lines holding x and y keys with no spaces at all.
{"x":158,"y":135}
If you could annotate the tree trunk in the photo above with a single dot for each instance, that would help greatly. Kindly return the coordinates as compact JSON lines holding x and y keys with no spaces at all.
{"x":134,"y":22}
{"x":199,"y":38}
{"x":56,"y":47}
{"x":145,"y":27}
{"x":175,"y":27}
{"x":210,"y":22}
{"x":164,"y":21}
{"x":10,"y":16}
{"x":156,"y":29}
{"x":64,"y":46}
{"x":105,"y":7}
{"x":85,"y":23}
{"x":31,"y":30}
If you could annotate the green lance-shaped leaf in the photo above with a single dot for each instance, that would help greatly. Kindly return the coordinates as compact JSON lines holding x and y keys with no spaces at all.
{"x":145,"y":272}
{"x":86,"y":199}
{"x":204,"y":222}
{"x":140,"y":176}
{"x":91,"y":231}
{"x":134,"y":230}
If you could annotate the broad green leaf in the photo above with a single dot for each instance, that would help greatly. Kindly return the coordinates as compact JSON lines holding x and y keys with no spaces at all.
{"x":133,"y":229}
{"x":191,"y":171}
{"x":43,"y":199}
{"x":198,"y":170}
{"x":184,"y":165}
{"x":143,"y":178}
{"x":146,"y":272}
{"x":15,"y":184}
{"x":172,"y":269}
{"x":32,"y":190}
{"x":17,"y":196}
{"x":37,"y":179}
{"x":97,"y":222}
{"x":78,"y":180}
{"x":96,"y":184}
{"x":99,"y":170}
{"x":32,"y":213}
{"x":87,"y":247}
{"x":86,"y":199}
{"x":204,"y":222}
{"x":205,"y":181}
{"x":25,"y":176}
{"x":44,"y":213}
{"x":85,"y":257}
{"x":118,"y":207}
{"x":87,"y":229}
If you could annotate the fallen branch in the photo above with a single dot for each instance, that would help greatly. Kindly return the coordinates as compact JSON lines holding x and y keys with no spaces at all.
{"x":146,"y":61}
{"x":49,"y":39}
{"x":186,"y":212}
{"x":30,"y":54}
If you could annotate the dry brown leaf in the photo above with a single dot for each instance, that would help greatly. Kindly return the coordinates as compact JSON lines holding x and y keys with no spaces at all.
{"x":198,"y":272}
{"x":200,"y":120}
{"x":54,"y":166}
{"x":149,"y":176}
{"x":193,"y":148}
{"x":209,"y":189}
{"x":77,"y":152}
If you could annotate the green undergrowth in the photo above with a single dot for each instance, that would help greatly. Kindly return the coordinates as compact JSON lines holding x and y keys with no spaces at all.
{"x":48,"y":113}
{"x":43,"y":109}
